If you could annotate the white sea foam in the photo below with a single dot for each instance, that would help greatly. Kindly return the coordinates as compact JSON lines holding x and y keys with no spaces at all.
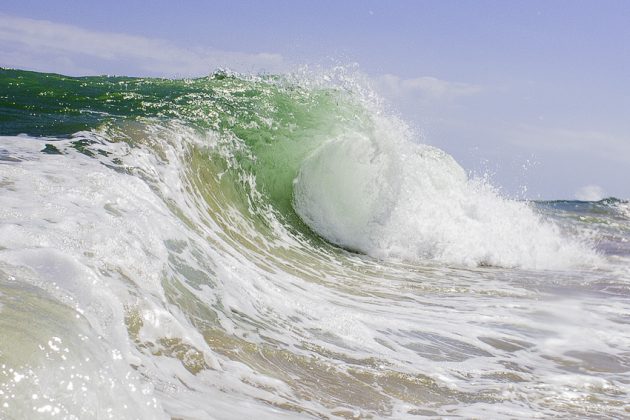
{"x":99,"y":242}
{"x":379,"y":193}
{"x":191,"y":305}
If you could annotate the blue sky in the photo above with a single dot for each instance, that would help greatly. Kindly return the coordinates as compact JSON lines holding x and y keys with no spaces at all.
{"x":534,"y":92}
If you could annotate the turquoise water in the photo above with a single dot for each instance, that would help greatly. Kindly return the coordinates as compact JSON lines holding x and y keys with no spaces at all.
{"x":282,"y":246}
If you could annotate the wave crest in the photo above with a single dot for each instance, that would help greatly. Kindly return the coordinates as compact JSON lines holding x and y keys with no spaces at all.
{"x":379,"y":193}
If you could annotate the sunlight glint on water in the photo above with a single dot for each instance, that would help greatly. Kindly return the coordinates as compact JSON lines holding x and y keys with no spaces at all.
{"x":152,"y":264}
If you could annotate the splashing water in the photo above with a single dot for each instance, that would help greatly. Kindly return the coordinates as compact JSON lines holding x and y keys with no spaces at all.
{"x":282,"y":247}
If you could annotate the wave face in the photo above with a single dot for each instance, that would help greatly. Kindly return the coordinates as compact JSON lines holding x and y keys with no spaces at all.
{"x":282,"y":246}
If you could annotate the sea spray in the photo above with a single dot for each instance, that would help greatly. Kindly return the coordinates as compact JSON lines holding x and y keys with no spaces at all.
{"x":376,"y":191}
{"x":158,"y":260}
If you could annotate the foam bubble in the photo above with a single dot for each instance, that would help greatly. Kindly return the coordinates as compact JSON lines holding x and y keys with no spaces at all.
{"x":379,"y":193}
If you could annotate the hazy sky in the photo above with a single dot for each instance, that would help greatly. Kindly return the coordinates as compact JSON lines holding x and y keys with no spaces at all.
{"x":536,"y":93}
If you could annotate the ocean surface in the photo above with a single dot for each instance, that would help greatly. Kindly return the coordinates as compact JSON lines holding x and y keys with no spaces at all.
{"x":271,"y":247}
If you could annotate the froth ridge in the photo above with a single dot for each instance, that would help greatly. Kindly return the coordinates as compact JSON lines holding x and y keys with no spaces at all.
{"x":376,"y":192}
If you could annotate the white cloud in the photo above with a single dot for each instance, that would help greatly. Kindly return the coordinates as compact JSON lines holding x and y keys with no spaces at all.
{"x":594,"y":143}
{"x":431,"y":87}
{"x":48,"y":46}
{"x":590,"y":193}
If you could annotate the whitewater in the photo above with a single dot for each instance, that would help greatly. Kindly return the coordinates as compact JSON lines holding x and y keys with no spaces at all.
{"x":239,"y":246}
